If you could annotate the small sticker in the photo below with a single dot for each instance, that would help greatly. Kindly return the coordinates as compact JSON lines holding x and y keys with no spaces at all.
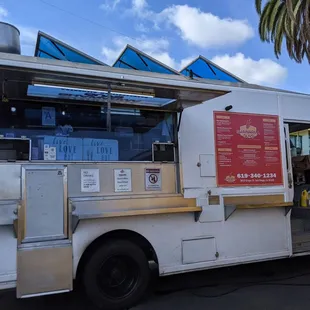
{"x":152,"y":179}
{"x":52,"y":153}
{"x":46,"y":151}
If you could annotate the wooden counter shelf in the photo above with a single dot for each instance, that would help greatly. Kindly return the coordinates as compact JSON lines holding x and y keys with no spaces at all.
{"x":135,"y":212}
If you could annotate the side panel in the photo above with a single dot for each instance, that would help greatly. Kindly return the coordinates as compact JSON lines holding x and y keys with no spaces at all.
{"x":10,"y":193}
{"x":254,"y":235}
{"x":44,"y":201}
{"x":44,"y":250}
{"x":44,"y":270}
{"x":10,"y":188}
{"x":8,"y":245}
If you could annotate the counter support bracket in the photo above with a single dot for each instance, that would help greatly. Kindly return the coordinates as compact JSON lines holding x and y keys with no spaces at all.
{"x":287,"y":210}
{"x":229,"y":210}
{"x":197,"y":215}
{"x":75,"y":222}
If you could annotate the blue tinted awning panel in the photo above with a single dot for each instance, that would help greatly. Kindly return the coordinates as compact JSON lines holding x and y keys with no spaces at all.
{"x":201,"y":68}
{"x":134,"y":59}
{"x":95,"y":96}
{"x":51,"y":48}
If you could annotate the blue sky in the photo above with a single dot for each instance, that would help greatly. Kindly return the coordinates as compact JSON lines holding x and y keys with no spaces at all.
{"x":174,"y":32}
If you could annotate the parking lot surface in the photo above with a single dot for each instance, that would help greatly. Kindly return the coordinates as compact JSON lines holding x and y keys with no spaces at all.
{"x":283,"y":284}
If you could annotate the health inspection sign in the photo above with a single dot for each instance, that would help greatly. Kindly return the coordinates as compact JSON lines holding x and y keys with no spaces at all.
{"x":248,"y":151}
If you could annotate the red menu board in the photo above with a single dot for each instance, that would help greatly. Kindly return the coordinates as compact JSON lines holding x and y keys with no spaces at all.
{"x":248,"y":151}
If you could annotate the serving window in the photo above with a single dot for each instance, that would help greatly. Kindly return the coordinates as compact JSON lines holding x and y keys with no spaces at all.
{"x":80,"y":132}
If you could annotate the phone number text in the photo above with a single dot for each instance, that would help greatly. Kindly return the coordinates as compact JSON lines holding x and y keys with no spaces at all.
{"x":256,"y":175}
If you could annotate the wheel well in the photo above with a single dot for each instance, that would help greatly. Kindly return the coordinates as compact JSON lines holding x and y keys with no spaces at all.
{"x":123,"y":234}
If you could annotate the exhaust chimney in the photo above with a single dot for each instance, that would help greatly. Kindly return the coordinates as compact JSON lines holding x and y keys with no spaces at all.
{"x":9,"y":39}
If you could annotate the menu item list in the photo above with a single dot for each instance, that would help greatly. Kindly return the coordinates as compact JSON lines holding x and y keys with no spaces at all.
{"x":248,"y":151}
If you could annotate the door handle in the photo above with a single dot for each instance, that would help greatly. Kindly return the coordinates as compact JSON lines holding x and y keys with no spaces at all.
{"x":290,"y":180}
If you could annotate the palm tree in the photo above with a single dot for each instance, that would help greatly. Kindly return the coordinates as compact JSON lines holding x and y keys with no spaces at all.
{"x":289,"y":20}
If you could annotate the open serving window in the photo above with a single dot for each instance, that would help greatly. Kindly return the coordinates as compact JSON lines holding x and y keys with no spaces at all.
{"x":69,"y":116}
{"x":84,"y":130}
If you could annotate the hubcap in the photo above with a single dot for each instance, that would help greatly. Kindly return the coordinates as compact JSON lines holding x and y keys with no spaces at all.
{"x":118,"y":276}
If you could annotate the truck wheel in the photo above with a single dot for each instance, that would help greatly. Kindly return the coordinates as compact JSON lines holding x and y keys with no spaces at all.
{"x":117,"y":275}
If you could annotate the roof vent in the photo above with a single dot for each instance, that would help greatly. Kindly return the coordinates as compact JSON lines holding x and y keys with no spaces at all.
{"x":9,"y":39}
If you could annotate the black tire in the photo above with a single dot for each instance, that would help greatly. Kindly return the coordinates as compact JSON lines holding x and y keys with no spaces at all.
{"x":105,"y":285}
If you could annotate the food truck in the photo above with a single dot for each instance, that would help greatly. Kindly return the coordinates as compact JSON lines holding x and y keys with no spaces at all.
{"x":104,"y":170}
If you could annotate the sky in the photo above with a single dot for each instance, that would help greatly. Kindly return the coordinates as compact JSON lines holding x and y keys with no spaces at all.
{"x":172,"y":31}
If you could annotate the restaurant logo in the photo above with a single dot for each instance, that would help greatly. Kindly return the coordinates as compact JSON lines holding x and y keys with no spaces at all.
{"x":230,"y":178}
{"x":248,"y":131}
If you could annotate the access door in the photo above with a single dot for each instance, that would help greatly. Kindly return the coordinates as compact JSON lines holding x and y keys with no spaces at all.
{"x":44,"y":253}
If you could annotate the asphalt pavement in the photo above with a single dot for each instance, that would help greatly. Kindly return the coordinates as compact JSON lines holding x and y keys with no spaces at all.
{"x":283,"y":284}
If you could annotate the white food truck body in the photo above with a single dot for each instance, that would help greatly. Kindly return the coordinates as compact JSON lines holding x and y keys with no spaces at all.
{"x":186,"y":222}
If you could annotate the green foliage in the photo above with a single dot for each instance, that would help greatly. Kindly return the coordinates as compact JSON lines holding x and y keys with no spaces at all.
{"x":289,"y":20}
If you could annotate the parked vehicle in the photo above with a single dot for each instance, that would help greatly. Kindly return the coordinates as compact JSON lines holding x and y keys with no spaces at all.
{"x":98,"y":183}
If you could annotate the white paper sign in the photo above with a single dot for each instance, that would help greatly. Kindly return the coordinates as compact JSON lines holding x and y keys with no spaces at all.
{"x":90,"y":182}
{"x":152,"y":179}
{"x":122,"y":180}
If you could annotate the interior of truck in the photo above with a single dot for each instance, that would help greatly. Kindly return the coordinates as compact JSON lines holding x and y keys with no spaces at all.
{"x":299,"y":168}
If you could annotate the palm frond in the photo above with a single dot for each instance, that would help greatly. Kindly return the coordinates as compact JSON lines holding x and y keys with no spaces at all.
{"x":258,"y":6}
{"x":289,"y":20}
{"x":274,"y":9}
{"x":290,"y":10}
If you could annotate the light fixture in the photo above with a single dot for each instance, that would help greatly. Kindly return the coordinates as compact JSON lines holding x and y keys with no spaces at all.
{"x":13,"y":109}
{"x":63,"y":112}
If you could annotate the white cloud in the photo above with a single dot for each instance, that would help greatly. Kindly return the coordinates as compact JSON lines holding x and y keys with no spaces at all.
{"x":109,"y":5}
{"x":184,"y":62}
{"x":139,"y":5}
{"x":166,"y":59}
{"x":144,"y":44}
{"x":3,"y":12}
{"x":110,"y":54}
{"x":141,"y":28}
{"x":207,"y":30}
{"x":197,"y":27}
{"x":263,"y":71}
{"x":28,"y":37}
{"x":140,"y":8}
